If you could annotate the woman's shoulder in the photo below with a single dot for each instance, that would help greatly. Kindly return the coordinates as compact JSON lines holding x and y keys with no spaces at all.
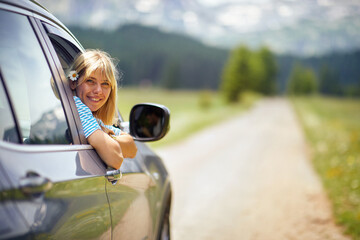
{"x":77,"y":99}
{"x":82,"y":108}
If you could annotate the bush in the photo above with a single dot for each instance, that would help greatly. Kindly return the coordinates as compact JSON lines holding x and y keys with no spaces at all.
{"x":302,"y":81}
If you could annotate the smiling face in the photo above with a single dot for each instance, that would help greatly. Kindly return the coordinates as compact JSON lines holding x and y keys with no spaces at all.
{"x":94,"y":91}
{"x":96,"y":85}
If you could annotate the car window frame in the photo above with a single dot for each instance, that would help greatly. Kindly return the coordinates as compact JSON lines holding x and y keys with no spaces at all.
{"x":65,"y":93}
{"x":33,"y":22}
{"x":50,"y":28}
{"x":52,"y":68}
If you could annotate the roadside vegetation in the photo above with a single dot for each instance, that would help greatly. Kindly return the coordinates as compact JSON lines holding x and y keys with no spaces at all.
{"x":332,"y":127}
{"x":191,"y":111}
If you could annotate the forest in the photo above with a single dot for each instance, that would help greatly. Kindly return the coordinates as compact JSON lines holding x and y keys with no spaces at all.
{"x":151,"y":57}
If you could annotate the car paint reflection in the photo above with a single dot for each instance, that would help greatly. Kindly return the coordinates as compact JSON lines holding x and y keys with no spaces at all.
{"x":67,"y":214}
{"x":133,"y":208}
{"x":12,"y":224}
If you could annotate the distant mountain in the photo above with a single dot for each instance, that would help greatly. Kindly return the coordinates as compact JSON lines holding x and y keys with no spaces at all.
{"x":151,"y":57}
{"x":296,"y":27}
{"x":50,"y":128}
{"x":148,"y":56}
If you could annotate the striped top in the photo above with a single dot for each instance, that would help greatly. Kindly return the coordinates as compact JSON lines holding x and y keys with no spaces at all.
{"x":89,"y":123}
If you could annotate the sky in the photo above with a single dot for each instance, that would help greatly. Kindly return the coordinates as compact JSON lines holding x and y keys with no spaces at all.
{"x":247,"y":15}
{"x":272,"y":14}
{"x":307,"y":26}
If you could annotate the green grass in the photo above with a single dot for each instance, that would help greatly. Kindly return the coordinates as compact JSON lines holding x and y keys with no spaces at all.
{"x":191,"y":111}
{"x":332,"y":127}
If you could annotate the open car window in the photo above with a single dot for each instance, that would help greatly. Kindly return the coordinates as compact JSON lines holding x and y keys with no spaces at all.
{"x":64,"y":46}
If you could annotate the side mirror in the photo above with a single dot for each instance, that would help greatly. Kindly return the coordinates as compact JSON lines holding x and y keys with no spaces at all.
{"x":149,"y":122}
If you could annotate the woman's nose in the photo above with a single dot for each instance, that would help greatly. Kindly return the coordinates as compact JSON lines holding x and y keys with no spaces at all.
{"x":97,"y":88}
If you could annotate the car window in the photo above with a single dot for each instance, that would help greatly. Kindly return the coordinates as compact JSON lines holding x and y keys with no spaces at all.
{"x":8,"y":131}
{"x":30,"y":84}
{"x":65,"y":49}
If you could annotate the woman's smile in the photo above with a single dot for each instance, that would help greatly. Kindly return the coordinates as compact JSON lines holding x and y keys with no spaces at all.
{"x":95,"y":99}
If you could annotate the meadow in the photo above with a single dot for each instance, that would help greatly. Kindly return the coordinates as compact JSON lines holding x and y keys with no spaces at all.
{"x":332,"y":128}
{"x":191,"y":111}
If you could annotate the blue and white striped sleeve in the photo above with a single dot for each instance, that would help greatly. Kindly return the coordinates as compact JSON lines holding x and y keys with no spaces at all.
{"x":117,"y":131}
{"x":88,"y":121}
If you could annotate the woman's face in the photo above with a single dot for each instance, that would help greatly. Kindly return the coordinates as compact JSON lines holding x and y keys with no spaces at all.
{"x":94,"y":91}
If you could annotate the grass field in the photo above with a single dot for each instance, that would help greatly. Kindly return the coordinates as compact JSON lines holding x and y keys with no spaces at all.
{"x":332,"y":127}
{"x":191,"y":111}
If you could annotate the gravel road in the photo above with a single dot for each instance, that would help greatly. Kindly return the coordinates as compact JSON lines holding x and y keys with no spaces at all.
{"x":248,"y":178}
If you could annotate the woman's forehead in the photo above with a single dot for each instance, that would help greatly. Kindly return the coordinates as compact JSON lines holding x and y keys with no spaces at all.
{"x":99,"y":74}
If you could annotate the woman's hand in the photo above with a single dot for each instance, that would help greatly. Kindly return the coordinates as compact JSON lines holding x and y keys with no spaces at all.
{"x":107,"y":131}
{"x":127,"y":145}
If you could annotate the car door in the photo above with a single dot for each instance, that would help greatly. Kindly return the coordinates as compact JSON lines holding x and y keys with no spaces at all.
{"x":51,"y":185}
{"x":143,"y":196}
{"x":135,"y":198}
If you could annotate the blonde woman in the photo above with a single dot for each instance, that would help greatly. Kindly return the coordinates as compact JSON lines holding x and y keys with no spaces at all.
{"x":93,"y":78}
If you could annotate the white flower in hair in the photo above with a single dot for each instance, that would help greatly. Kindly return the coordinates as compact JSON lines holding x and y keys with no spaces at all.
{"x":73,"y":75}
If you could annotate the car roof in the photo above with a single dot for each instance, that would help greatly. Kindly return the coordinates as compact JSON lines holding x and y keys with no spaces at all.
{"x":33,"y":7}
{"x":39,"y":10}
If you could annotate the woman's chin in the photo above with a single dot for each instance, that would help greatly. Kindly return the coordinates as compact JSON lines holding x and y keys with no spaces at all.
{"x":94,"y":109}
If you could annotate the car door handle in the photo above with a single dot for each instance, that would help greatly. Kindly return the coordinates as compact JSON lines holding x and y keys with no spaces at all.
{"x":33,"y":184}
{"x":113,"y":175}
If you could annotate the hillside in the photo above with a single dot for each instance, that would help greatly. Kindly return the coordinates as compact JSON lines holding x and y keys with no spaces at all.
{"x":150,"y":56}
{"x":343,"y":65}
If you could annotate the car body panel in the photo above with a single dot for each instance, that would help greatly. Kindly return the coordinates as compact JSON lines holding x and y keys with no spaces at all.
{"x":76,"y":201}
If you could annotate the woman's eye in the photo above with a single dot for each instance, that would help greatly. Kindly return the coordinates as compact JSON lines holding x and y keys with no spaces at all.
{"x":106,"y":84}
{"x":90,"y":81}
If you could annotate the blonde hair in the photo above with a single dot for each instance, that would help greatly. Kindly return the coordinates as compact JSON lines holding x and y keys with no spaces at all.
{"x":90,"y":61}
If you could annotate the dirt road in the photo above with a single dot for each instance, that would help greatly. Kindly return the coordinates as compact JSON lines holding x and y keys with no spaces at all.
{"x":248,"y":178}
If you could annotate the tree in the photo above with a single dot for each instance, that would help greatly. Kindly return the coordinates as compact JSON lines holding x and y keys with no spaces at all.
{"x":257,"y":76}
{"x":268,"y":83}
{"x":236,"y":74}
{"x":302,"y":81}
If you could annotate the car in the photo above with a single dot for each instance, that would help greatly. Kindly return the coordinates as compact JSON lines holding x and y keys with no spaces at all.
{"x":53,"y":184}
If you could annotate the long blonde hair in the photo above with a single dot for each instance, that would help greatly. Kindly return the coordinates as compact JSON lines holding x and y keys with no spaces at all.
{"x":87,"y":63}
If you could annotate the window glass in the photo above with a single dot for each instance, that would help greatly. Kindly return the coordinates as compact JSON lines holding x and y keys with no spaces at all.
{"x":30,"y":83}
{"x":65,"y":50}
{"x":8,"y":132}
{"x":65,"y":58}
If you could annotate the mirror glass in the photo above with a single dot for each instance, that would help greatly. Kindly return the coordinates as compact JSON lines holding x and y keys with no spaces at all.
{"x":148,"y":121}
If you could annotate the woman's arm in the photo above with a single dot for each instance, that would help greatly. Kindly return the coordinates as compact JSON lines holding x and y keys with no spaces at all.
{"x":125,"y":140}
{"x":127,"y":145}
{"x":108,"y":149}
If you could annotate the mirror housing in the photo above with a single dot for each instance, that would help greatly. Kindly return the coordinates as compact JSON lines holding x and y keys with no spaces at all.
{"x":149,"y":122}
